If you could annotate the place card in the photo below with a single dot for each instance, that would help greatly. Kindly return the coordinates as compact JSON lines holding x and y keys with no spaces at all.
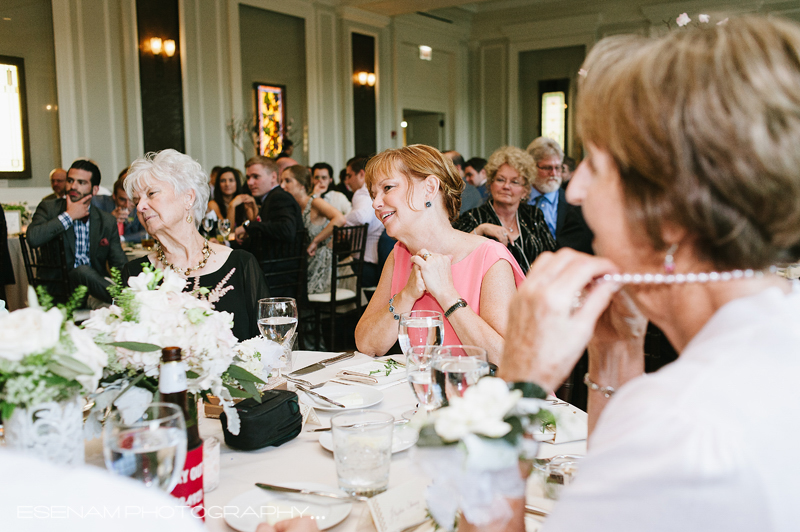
{"x":400,"y":507}
{"x":309,"y":415}
{"x":13,"y":222}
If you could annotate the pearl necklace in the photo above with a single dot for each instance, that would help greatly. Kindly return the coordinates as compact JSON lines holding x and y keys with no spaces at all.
{"x":684,"y":278}
{"x":180,"y":271}
{"x":666,"y":279}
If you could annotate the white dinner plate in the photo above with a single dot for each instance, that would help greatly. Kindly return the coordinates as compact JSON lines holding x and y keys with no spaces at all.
{"x":248,"y":510}
{"x":403,"y":438}
{"x":368,"y":397}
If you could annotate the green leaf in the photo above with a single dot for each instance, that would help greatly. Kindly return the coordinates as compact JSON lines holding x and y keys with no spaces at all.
{"x":7,"y":409}
{"x":242,"y":375}
{"x":136,"y":346}
{"x":68,"y":367}
{"x":192,"y":374}
{"x":236,"y":392}
{"x":250,"y":388}
{"x":429,"y":438}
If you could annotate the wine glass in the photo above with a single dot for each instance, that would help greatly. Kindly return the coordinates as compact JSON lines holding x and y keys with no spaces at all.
{"x":455,"y":368}
{"x":277,"y":321}
{"x":152,"y":449}
{"x":224,"y":227}
{"x":418,"y":372}
{"x":208,"y":225}
{"x":420,"y":327}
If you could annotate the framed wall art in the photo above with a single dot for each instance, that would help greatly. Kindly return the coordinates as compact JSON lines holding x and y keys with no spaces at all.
{"x":270,"y":118}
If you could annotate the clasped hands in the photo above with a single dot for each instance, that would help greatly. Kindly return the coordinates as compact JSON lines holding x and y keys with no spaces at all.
{"x":431,"y":272}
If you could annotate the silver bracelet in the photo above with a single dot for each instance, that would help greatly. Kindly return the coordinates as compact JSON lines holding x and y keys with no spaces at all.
{"x":391,"y":308}
{"x":607,"y":391}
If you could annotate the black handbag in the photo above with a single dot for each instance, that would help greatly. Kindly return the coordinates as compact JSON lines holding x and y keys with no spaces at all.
{"x":272,"y":422}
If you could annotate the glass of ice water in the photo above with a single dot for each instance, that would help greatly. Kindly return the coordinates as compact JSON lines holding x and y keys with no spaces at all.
{"x":420,"y":327}
{"x":151,"y":449}
{"x":418,"y":371}
{"x":455,"y":368}
{"x":277,"y":321}
{"x":362,"y":450}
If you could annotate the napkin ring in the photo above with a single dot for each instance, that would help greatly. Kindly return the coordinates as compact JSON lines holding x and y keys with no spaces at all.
{"x":607,"y":391}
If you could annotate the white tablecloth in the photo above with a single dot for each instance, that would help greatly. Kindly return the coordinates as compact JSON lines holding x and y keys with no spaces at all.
{"x":303,"y":459}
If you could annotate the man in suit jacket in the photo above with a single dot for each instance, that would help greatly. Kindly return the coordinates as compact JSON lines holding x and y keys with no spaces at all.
{"x":90,"y":236}
{"x":277,"y":223}
{"x":564,"y":221}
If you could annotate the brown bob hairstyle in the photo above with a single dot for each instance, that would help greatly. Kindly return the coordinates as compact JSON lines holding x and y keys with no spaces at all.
{"x":704,"y":127}
{"x":418,"y":161}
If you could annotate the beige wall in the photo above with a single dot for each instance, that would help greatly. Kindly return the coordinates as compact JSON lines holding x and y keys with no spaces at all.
{"x":29,"y":35}
{"x":475,"y":78}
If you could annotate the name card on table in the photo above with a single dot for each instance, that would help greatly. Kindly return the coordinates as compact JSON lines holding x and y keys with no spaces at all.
{"x":13,"y":222}
{"x":399,"y":508}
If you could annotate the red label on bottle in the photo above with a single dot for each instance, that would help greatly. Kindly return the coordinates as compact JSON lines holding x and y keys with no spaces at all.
{"x":190,"y":488}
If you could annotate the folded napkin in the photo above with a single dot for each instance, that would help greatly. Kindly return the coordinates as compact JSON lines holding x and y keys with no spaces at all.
{"x":373,"y":373}
{"x":572,"y":424}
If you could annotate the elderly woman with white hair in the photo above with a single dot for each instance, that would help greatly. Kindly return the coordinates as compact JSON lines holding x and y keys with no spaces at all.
{"x":170,"y":191}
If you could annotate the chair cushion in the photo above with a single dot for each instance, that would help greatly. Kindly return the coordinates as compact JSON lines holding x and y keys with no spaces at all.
{"x":341,"y":295}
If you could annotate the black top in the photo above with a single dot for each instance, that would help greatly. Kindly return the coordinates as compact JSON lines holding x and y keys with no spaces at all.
{"x":248,"y":287}
{"x":534,"y":236}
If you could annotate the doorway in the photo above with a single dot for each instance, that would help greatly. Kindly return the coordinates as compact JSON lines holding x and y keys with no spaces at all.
{"x":423,"y":127}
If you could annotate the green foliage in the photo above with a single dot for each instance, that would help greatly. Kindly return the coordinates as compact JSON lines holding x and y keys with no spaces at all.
{"x":136,"y":346}
{"x":242,"y":375}
{"x":388,"y":366}
{"x":45,"y":299}
{"x":115,"y":290}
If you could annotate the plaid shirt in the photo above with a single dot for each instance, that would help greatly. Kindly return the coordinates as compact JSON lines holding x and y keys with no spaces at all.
{"x":81,"y":229}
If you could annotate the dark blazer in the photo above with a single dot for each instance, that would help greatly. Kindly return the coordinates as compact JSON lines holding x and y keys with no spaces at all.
{"x":6,"y":268}
{"x":46,"y":226}
{"x":280,"y":219}
{"x":571,"y":229}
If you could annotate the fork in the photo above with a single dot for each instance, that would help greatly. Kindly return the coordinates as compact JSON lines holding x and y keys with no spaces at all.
{"x":304,"y":383}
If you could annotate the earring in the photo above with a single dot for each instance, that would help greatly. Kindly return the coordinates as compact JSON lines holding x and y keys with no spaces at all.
{"x":189,"y":218}
{"x":669,"y":260}
{"x":428,"y":204}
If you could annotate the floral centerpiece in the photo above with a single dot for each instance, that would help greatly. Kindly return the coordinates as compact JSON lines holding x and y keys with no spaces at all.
{"x":153,"y":312}
{"x":472,"y":450}
{"x":46,"y":365}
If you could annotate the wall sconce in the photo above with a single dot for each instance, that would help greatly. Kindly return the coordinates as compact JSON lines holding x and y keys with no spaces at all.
{"x":365,"y":78}
{"x":157,"y":45}
{"x":425,"y":52}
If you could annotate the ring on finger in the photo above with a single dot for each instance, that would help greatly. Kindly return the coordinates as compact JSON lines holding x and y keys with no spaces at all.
{"x":425,"y":256}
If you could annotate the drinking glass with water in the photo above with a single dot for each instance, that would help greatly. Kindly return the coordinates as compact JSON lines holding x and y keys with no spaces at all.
{"x":277,"y":321}
{"x":362,"y":450}
{"x":455,"y":368}
{"x":152,"y":449}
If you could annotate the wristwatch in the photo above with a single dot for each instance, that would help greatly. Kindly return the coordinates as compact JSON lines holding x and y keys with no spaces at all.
{"x":457,"y":305}
{"x":246,"y":224}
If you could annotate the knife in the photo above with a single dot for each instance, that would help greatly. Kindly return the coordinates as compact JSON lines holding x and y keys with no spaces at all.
{"x":315,"y":394}
{"x":270,"y":487}
{"x":322,"y":364}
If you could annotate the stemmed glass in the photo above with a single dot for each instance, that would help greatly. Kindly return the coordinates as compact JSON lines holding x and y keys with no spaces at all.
{"x":152,"y":449}
{"x":419,"y":328}
{"x":277,"y":321}
{"x":224,"y":228}
{"x":455,"y":368}
{"x":418,"y":372}
{"x":208,"y":225}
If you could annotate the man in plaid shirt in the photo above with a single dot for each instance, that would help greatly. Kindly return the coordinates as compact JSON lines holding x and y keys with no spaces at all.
{"x":91,"y":238}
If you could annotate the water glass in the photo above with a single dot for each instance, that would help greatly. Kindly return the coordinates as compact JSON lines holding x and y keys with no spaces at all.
{"x":418,"y":371}
{"x":455,"y":368}
{"x":152,"y":449}
{"x":277,"y":321}
{"x":224,"y":228}
{"x":362,"y":450}
{"x":420,"y":327}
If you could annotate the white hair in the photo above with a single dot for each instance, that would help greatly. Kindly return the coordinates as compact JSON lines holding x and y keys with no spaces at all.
{"x":176,"y":169}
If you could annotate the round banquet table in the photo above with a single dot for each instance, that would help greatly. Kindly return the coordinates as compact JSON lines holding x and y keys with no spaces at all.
{"x":304,"y":460}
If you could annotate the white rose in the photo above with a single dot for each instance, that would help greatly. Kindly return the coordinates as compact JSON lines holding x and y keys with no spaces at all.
{"x":86,"y":351}
{"x":172,"y":282}
{"x":704,"y":19}
{"x":141,"y":281}
{"x":3,"y":309}
{"x":29,"y":331}
{"x":683,"y":19}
